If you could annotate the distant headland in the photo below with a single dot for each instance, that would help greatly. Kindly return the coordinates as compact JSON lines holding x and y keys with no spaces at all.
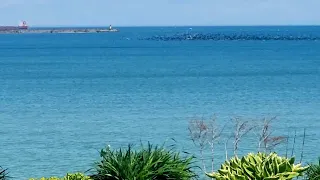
{"x":23,"y":28}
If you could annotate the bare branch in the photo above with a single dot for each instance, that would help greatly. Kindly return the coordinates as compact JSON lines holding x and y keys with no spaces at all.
{"x":241,"y":129}
{"x":304,"y":137}
{"x":204,"y":133}
{"x":198,"y":131}
{"x":225,"y":147}
{"x":266,"y":139}
{"x":272,"y":142}
{"x":214,"y":135}
{"x":287,"y":144}
{"x":294,"y":142}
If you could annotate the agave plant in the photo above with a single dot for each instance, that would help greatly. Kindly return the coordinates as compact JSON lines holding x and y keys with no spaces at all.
{"x":313,"y":172}
{"x":259,"y":166}
{"x":145,"y":164}
{"x":3,"y":173}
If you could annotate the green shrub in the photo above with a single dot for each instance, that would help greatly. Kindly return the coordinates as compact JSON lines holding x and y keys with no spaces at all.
{"x":259,"y":166}
{"x":313,"y":172}
{"x":75,"y":176}
{"x":145,"y":164}
{"x":3,"y":173}
{"x":44,"y":178}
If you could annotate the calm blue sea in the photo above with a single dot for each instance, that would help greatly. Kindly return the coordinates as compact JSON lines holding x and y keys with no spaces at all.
{"x":63,"y":97}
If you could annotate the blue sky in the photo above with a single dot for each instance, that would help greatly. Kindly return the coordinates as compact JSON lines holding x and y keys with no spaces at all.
{"x":159,"y":12}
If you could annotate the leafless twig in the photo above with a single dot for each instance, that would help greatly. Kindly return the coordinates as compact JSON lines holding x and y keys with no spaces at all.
{"x":241,"y":129}
{"x":269,"y":142}
{"x":304,"y":137}
{"x":214,"y":135}
{"x":205,"y":133}
{"x":198,"y":132}
{"x":294,"y":142}
{"x":263,"y":136}
{"x":287,"y":144}
{"x":226,"y":147}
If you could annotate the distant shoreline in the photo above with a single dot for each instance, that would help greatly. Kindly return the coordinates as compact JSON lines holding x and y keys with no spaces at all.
{"x":186,"y":25}
{"x":57,"y":30}
{"x":165,"y":26}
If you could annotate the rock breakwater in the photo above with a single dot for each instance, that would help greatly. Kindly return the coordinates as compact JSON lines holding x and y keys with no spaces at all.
{"x":232,"y":37}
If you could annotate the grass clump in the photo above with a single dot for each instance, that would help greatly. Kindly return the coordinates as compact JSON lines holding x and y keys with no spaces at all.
{"x":313,"y":172}
{"x":3,"y":174}
{"x":151,"y":162}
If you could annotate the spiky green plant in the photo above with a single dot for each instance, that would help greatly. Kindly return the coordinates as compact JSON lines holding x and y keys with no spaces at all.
{"x":259,"y":166}
{"x":3,"y":173}
{"x":313,"y":172}
{"x":151,"y":162}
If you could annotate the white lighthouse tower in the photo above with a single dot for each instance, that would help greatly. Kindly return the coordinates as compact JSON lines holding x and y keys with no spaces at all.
{"x":23,"y":25}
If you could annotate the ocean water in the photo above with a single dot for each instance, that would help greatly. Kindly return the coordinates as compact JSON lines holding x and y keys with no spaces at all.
{"x":63,"y":97}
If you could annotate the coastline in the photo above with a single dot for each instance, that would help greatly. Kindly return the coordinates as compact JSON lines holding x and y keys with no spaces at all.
{"x":58,"y":30}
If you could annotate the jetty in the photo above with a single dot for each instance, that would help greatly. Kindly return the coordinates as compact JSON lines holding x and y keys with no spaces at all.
{"x":24,"y":29}
{"x":56,"y":30}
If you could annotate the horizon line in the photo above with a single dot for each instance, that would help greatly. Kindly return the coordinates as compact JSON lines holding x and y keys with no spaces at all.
{"x":129,"y":26}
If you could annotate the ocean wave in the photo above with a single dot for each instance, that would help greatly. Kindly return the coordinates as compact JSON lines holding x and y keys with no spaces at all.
{"x":91,"y":76}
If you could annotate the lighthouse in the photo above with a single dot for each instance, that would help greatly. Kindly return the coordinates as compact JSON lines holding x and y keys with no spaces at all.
{"x":23,"y":25}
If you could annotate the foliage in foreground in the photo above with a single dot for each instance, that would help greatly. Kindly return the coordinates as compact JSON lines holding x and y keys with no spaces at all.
{"x":75,"y":176}
{"x":313,"y":172}
{"x":3,"y":174}
{"x":152,"y":162}
{"x":259,"y":166}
